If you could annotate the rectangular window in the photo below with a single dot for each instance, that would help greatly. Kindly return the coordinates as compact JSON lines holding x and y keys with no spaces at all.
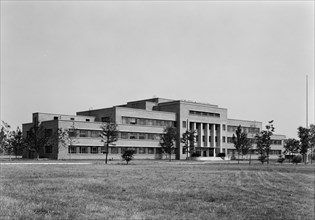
{"x":132,"y":135}
{"x":141,"y":136}
{"x":132,"y":121}
{"x":223,"y":127}
{"x":114,"y":150}
{"x":216,"y":139}
{"x":72,"y":119}
{"x":95,"y":133}
{"x":55,"y":118}
{"x":83,"y":133}
{"x":223,"y":139}
{"x":125,"y":120}
{"x":142,"y":150}
{"x":203,"y":138}
{"x":73,"y":133}
{"x":94,"y":150}
{"x":83,"y":150}
{"x":124,"y":135}
{"x":150,"y":150}
{"x":87,"y":119}
{"x":48,"y":149}
{"x":72,"y":149}
{"x":184,"y":124}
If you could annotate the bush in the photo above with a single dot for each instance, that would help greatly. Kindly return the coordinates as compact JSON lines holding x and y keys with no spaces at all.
{"x":262,"y":158}
{"x":195,"y":154}
{"x":233,"y":157}
{"x":222,"y":155}
{"x":297,"y":159}
{"x":281,"y":159}
{"x":128,"y":155}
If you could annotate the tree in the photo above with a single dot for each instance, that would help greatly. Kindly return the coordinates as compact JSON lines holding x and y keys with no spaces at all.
{"x":127,"y":155}
{"x":167,"y":141}
{"x":189,"y":140}
{"x":37,"y":138}
{"x":263,"y":141}
{"x":312,"y":140}
{"x":109,"y":135}
{"x":17,"y":142}
{"x":241,"y":142}
{"x":304,"y":135}
{"x":291,"y":146}
{"x":4,"y":136}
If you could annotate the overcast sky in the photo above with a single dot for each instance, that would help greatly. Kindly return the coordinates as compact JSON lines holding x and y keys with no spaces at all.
{"x":249,"y":57}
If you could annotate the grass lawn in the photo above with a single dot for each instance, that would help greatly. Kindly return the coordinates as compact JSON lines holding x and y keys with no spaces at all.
{"x":156,"y":190}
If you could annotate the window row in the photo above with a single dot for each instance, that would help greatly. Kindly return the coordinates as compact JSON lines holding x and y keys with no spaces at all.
{"x":210,"y":114}
{"x":84,"y":133}
{"x":139,"y":136}
{"x":274,"y":142}
{"x":149,"y":122}
{"x":111,"y":150}
{"x":253,"y":130}
{"x":253,"y":151}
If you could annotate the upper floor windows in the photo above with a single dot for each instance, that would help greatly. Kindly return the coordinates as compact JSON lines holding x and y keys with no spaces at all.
{"x":209,"y":114}
{"x":253,"y":130}
{"x":148,"y":122}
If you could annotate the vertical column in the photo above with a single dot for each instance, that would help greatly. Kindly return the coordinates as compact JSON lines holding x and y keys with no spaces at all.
{"x":193,"y":127}
{"x":207,"y":135}
{"x":220,"y":141}
{"x":199,"y":127}
{"x":213,"y":144}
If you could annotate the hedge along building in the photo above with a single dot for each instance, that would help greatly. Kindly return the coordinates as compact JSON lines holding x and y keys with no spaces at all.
{"x":140,"y":124}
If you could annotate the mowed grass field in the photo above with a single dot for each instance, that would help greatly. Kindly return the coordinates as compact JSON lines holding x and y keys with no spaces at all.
{"x":156,"y":190}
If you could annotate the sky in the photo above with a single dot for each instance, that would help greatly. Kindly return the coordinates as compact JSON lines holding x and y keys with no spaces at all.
{"x":249,"y":57}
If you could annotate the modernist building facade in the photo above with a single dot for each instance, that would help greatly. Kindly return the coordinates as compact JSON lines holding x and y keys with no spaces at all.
{"x":140,"y":124}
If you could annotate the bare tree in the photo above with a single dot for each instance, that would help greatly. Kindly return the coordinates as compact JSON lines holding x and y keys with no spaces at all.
{"x":109,"y":135}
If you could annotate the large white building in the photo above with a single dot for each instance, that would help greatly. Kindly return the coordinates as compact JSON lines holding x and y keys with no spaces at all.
{"x":140,"y":124}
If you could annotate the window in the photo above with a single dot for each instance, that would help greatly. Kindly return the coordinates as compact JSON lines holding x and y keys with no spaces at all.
{"x":124,"y":135}
{"x":132,"y":121}
{"x":72,"y":149}
{"x":83,"y":133}
{"x":87,"y":119}
{"x":83,"y":150}
{"x":150,"y":150}
{"x":73,"y":133}
{"x":132,"y":135}
{"x":95,"y":133}
{"x":48,"y":149}
{"x":223,"y":127}
{"x":114,"y":150}
{"x":94,"y":150}
{"x":141,"y":136}
{"x":184,"y":124}
{"x":141,"y":150}
{"x":223,"y":139}
{"x":72,"y":119}
{"x":55,"y":118}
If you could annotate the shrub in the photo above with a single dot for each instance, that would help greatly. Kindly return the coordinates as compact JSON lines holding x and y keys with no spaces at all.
{"x":195,"y":154}
{"x":297,"y":159}
{"x":233,"y":157}
{"x":281,"y":158}
{"x":127,"y":155}
{"x":262,"y":158}
{"x":222,"y":155}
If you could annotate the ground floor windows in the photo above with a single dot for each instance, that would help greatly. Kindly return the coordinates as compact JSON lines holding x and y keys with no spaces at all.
{"x":83,"y":150}
{"x":94,"y":150}
{"x":112,"y":150}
